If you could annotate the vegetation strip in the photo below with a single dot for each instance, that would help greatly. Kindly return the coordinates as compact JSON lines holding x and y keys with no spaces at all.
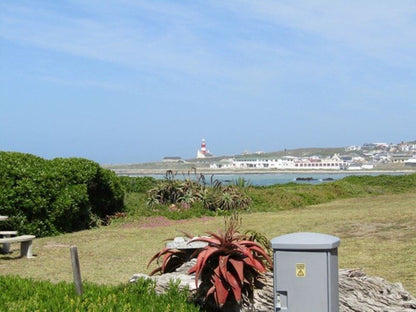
{"x":19,"y":295}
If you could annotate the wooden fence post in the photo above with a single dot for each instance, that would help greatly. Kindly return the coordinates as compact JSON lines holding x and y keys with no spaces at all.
{"x":76,"y":271}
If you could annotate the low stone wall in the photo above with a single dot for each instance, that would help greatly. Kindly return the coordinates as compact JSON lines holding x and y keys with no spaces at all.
{"x":357,"y":291}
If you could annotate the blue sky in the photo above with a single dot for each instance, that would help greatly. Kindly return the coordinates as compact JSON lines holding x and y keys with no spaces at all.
{"x":134,"y":81}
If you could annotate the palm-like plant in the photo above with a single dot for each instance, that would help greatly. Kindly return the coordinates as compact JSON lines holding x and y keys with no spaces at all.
{"x":188,"y":191}
{"x":229,"y":265}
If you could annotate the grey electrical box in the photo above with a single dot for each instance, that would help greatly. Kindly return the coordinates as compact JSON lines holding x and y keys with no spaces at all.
{"x":306,"y":272}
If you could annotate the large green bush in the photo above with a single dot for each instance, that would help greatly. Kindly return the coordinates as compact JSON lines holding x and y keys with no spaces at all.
{"x":138,"y":184}
{"x":47,"y":197}
{"x":18,"y":294}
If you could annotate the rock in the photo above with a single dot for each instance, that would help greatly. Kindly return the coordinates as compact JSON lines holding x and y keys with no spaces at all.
{"x":185,"y":243}
{"x":162,"y":281}
{"x":357,"y":291}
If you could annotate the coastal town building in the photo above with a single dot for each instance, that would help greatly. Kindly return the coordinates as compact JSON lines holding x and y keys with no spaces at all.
{"x":400,"y":157}
{"x":287,"y":162}
{"x":364,"y":157}
{"x":172,"y":159}
{"x":353,"y":148}
{"x":410,"y":162}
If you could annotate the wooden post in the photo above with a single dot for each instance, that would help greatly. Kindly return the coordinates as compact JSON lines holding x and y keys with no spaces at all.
{"x":76,"y":271}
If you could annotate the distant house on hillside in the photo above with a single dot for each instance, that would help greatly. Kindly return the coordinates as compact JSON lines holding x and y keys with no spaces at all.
{"x":410,"y":162}
{"x":353,"y":148}
{"x":399,"y":158}
{"x":173,"y":159}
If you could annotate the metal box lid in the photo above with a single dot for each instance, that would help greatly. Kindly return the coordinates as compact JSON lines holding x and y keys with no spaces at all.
{"x":305,"y":241}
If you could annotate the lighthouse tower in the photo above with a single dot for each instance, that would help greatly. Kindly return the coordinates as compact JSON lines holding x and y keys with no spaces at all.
{"x":203,"y":152}
{"x":203,"y":147}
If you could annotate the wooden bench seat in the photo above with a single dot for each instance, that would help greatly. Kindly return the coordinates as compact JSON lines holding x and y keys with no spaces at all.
{"x":25,"y":244}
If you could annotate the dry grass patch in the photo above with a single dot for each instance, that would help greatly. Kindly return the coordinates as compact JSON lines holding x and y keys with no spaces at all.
{"x":378,"y":234}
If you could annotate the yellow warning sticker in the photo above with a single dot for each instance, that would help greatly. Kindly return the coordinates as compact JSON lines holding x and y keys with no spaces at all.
{"x":300,"y":270}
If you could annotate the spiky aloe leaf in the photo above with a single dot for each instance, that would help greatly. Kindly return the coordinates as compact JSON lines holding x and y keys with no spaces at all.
{"x":174,"y":263}
{"x":192,"y":270}
{"x":202,"y":259}
{"x":222,"y":265}
{"x":221,"y":292}
{"x":159,"y":269}
{"x":172,"y":259}
{"x":167,"y":259}
{"x":220,"y":237}
{"x":249,"y":243}
{"x":208,"y":240}
{"x":187,"y":234}
{"x":198,"y":265}
{"x":256,"y":264}
{"x":158,"y":255}
{"x":246,"y":252}
{"x":235,"y":286}
{"x":210,"y":291}
{"x":261,"y":252}
{"x":238,"y":266}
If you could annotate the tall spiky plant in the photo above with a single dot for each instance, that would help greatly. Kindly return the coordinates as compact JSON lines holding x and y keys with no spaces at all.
{"x":229,"y":265}
{"x":172,"y":258}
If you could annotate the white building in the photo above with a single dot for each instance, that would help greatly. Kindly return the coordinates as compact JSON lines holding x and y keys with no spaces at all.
{"x":288,"y":163}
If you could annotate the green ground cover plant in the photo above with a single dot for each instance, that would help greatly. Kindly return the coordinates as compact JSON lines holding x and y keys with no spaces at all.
{"x":20,"y":295}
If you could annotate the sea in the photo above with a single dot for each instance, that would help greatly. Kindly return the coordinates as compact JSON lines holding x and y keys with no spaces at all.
{"x":267,"y":179}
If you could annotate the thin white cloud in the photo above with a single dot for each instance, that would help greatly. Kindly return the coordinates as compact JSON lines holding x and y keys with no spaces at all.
{"x":179,"y":46}
{"x":174,"y":40}
{"x":173,"y":47}
{"x":380,"y":29}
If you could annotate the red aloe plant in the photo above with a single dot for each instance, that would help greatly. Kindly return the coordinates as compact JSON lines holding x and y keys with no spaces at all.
{"x":229,"y":265}
{"x":172,"y":258}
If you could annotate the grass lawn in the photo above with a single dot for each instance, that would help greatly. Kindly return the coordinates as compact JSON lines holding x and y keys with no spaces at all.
{"x":378,"y":234}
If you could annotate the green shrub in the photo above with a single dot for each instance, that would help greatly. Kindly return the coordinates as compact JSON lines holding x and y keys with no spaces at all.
{"x":188,"y":192}
{"x":44,"y":197}
{"x":137,"y":184}
{"x":18,"y":294}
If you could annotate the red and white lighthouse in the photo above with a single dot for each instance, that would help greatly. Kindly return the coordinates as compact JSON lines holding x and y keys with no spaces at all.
{"x":203,"y":152}
{"x":203,"y":147}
